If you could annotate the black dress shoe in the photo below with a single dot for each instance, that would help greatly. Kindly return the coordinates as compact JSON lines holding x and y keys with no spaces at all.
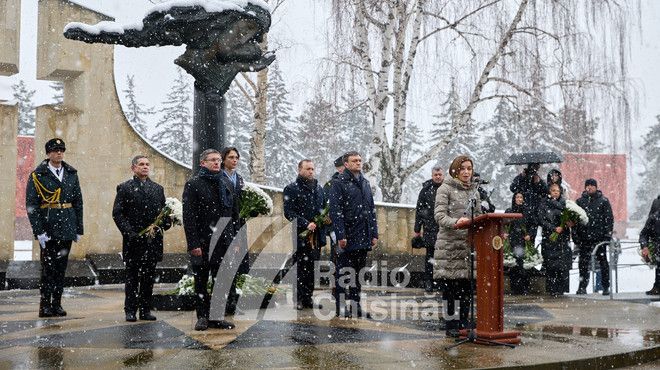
{"x":45,"y":312}
{"x":130,"y":317}
{"x":606,"y":291}
{"x":581,"y":291}
{"x":58,"y":311}
{"x":221,"y":324}
{"x":654,"y":291}
{"x":202,"y":324}
{"x":147,"y":316}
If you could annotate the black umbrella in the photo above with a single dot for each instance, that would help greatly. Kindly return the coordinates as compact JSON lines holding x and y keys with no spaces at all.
{"x":534,"y":157}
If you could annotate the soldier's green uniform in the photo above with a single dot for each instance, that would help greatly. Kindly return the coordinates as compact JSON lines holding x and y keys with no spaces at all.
{"x":55,"y":208}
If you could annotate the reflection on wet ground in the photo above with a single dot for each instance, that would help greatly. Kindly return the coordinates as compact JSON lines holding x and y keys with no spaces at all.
{"x":565,"y":332}
{"x":144,"y":336}
{"x":631,"y":337}
{"x":277,"y":334}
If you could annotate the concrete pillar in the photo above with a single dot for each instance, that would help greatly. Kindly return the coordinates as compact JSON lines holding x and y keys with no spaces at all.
{"x":10,"y":21}
{"x":8,"y":130}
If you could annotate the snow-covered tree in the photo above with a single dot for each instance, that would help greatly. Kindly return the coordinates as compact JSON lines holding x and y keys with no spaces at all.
{"x":58,"y":91}
{"x":465,"y":143}
{"x":238,"y":126}
{"x":320,"y":121}
{"x":354,"y":121}
{"x":502,"y":136}
{"x":283,"y":134}
{"x":23,"y":97}
{"x":579,"y":131}
{"x":135,"y":112}
{"x":503,"y":41}
{"x":174,"y":129}
{"x":648,"y":189}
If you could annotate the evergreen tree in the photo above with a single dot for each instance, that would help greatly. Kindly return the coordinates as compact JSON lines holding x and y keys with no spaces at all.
{"x":135,"y":113}
{"x":647,"y":191}
{"x":282,"y":133}
{"x":23,"y":98}
{"x":411,"y":141}
{"x":322,"y":143}
{"x":238,"y":126}
{"x":578,"y":131}
{"x":502,"y":137}
{"x":174,"y":130}
{"x":465,"y":142}
{"x":58,"y":91}
{"x":355,"y":122}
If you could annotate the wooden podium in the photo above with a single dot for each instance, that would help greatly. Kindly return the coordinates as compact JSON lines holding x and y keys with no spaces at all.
{"x":486,"y":234}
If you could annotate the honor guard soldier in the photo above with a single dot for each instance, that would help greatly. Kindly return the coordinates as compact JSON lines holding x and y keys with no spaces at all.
{"x":55,"y":208}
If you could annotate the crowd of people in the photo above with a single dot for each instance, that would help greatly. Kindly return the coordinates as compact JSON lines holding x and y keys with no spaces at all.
{"x":55,"y":209}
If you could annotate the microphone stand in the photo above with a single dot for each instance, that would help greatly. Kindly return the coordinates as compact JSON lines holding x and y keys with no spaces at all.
{"x":472,"y":336}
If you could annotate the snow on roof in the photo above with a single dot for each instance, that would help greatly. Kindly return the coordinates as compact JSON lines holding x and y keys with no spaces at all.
{"x":211,"y":6}
{"x":82,"y":4}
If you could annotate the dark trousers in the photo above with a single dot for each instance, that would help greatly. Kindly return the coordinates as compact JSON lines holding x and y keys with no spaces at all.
{"x":201,"y":273}
{"x":139,"y":284}
{"x":428,"y":266}
{"x":585,"y":260}
{"x":349,"y":262}
{"x":54,"y":259}
{"x":304,"y":260}
{"x":457,"y":290}
{"x":519,"y":278}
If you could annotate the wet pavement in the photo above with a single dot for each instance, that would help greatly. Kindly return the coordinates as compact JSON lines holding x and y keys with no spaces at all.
{"x":406,"y":331}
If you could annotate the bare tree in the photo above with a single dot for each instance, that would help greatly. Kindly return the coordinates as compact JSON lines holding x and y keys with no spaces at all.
{"x":256,"y":93}
{"x":534,"y":51}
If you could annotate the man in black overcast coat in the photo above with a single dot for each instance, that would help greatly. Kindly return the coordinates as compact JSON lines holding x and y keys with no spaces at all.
{"x":304,"y":199}
{"x":424,"y":221}
{"x":598,"y":230}
{"x":137,"y":204}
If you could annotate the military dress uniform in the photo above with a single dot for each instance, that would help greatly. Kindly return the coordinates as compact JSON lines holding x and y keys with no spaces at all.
{"x":54,"y":205}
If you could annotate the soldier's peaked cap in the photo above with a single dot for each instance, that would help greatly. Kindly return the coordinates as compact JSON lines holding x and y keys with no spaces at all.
{"x":55,"y":143}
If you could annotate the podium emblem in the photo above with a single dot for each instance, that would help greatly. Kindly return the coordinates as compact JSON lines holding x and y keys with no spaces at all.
{"x":498,"y":243}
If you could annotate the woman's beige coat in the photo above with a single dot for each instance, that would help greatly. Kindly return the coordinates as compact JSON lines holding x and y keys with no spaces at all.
{"x":452,"y":250}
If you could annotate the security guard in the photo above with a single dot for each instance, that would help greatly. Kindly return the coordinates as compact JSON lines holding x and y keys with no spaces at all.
{"x":55,"y":208}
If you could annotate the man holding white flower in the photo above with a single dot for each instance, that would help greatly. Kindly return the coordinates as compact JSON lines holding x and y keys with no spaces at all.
{"x":214,"y":192}
{"x":138,"y":203}
{"x":54,"y":204}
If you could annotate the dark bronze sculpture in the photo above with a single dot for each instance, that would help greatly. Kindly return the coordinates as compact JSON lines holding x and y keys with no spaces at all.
{"x":220,"y":43}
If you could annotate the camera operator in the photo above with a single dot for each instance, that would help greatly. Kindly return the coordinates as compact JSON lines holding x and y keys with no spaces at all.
{"x":484,"y":196}
{"x":534,"y":191}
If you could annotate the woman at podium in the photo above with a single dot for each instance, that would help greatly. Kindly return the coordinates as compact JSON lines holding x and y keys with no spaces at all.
{"x":457,"y":200}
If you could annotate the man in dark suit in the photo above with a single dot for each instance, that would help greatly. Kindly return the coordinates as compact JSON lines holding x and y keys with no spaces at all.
{"x":304,"y":199}
{"x":137,"y":204}
{"x":211,"y":194}
{"x":593,"y":234}
{"x":55,"y":208}
{"x":353,"y":216}
{"x":424,"y":221}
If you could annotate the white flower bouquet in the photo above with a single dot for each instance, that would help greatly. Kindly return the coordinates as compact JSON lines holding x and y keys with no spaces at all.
{"x":255,"y":202}
{"x":572,"y":213}
{"x":173,"y":210}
